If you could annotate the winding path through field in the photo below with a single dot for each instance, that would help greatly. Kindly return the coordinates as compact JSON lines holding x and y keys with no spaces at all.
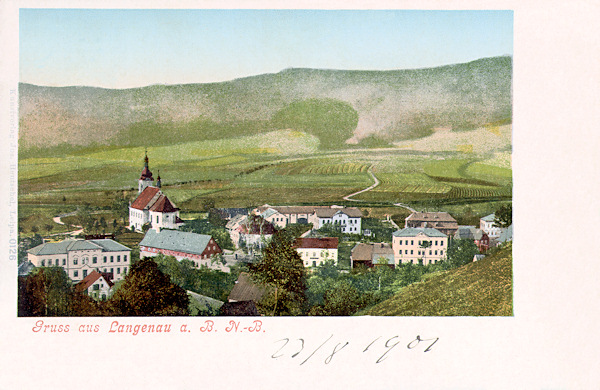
{"x":347,"y":197}
{"x":58,"y":220}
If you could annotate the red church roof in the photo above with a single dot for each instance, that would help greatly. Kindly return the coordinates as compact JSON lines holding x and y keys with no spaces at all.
{"x":145,"y":197}
{"x":154,"y":200}
{"x":163,"y":205}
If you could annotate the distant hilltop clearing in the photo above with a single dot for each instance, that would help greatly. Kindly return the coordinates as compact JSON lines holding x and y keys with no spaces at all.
{"x":341,"y":108}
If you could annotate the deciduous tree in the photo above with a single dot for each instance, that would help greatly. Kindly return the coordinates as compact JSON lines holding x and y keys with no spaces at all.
{"x":45,"y":292}
{"x":461,"y":251}
{"x":281,"y":268}
{"x":149,"y":292}
{"x":503,"y":216}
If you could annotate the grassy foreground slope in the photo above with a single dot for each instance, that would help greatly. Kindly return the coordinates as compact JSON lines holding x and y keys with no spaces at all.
{"x":483,"y":288}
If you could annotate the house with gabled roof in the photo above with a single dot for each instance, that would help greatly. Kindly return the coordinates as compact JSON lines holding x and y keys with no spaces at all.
{"x":479,"y":237}
{"x":250,"y":230}
{"x":419,"y":246}
{"x":348,"y":219}
{"x":199,"y":248}
{"x":488,"y":225}
{"x":151,"y":205}
{"x":81,"y":257}
{"x":246,"y":290}
{"x":441,"y":221}
{"x":370,"y":255}
{"x":97,"y":285}
{"x":275,"y":217}
{"x":315,"y":251}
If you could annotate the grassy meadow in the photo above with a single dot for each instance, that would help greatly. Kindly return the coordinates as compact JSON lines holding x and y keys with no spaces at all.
{"x":280,"y":167}
{"x":483,"y":288}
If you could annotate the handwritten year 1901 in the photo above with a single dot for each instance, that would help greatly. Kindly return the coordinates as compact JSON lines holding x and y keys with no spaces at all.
{"x":377,"y":348}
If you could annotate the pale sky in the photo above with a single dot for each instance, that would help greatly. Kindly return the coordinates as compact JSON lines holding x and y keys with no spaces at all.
{"x":130,"y":48}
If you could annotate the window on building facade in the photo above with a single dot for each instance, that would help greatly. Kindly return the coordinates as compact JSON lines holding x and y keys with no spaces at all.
{"x":119,"y":259}
{"x":56,"y":262}
{"x":84,"y":273}
{"x":75,"y":274}
{"x":112,"y":270}
{"x":96,"y":287}
{"x":43,"y":263}
{"x":411,"y":252}
{"x":118,"y":270}
{"x":64,"y":261}
{"x":124,"y":270}
{"x":125,"y":258}
{"x":112,"y":259}
{"x":105,"y":259}
{"x":94,"y":260}
{"x":74,"y":261}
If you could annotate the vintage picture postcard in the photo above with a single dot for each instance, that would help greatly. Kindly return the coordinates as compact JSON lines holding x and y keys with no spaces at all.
{"x":235,"y":194}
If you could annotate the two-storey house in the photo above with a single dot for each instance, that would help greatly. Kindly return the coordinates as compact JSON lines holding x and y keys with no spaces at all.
{"x":80,"y":257}
{"x":419,"y":246}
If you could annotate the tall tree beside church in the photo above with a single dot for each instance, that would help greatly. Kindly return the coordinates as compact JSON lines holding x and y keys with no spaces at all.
{"x":149,"y":292}
{"x":120,"y":206}
{"x":282,"y":269}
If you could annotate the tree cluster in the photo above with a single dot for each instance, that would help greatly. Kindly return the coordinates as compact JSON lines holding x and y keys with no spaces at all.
{"x":146,"y":291}
{"x":205,"y":281}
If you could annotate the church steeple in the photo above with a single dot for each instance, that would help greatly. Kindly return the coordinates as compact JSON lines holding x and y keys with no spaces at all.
{"x":146,"y":178}
{"x":158,"y":183}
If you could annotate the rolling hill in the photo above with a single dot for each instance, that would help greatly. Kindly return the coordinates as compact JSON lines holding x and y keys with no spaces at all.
{"x":340,"y":107}
{"x":483,"y":288}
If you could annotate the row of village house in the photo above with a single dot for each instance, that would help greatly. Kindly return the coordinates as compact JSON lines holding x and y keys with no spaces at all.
{"x":96,"y":263}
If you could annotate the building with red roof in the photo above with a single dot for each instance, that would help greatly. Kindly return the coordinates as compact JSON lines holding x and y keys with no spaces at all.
{"x":98,"y":285}
{"x":315,"y":251}
{"x":152,"y":206}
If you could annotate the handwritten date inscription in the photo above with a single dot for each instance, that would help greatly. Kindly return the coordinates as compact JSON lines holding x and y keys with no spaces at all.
{"x":378,"y":348}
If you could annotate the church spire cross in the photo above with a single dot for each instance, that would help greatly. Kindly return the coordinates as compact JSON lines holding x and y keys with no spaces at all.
{"x":146,"y":159}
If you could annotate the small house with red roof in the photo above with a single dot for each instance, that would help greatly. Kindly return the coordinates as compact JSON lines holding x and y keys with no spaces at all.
{"x":315,"y":251}
{"x":97,"y":285}
{"x":152,"y":206}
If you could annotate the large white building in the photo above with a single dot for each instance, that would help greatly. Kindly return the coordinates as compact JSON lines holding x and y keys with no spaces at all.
{"x":152,"y":206}
{"x":79,"y":258}
{"x":348,"y":219}
{"x":419,"y":246}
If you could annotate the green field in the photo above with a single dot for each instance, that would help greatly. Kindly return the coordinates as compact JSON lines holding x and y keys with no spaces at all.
{"x":283,"y":167}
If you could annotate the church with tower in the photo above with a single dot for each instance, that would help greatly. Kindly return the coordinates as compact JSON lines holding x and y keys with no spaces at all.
{"x":151,"y":205}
